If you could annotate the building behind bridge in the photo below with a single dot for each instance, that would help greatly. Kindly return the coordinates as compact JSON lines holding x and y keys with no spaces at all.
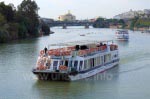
{"x":67,"y":17}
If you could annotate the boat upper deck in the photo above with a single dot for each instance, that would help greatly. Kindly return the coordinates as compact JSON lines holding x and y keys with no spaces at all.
{"x":81,"y":49}
{"x":122,"y":32}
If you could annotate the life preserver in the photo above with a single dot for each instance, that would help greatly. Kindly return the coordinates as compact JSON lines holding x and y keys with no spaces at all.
{"x":80,"y":53}
{"x":63,"y":68}
{"x":49,"y":52}
{"x":116,"y":46}
{"x":84,"y":52}
{"x":68,"y":53}
{"x":41,"y":52}
{"x":71,"y":48}
{"x":57,"y":54}
{"x":103,"y":48}
{"x":88,"y":51}
{"x":96,"y":49}
{"x":41,"y":67}
{"x":63,"y":53}
{"x":112,"y":47}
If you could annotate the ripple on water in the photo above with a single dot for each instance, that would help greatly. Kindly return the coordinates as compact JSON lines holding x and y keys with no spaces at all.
{"x":129,"y":80}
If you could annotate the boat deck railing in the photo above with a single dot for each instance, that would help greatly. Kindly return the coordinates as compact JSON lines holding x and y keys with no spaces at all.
{"x":83,"y":42}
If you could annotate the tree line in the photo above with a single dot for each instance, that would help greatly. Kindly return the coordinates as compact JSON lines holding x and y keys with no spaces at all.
{"x":21,"y":22}
{"x":136,"y":22}
{"x":105,"y":23}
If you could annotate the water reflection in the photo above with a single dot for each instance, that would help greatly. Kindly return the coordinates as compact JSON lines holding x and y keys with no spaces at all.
{"x":133,"y":73}
{"x":99,"y":83}
{"x":18,"y":55}
{"x":122,"y":43}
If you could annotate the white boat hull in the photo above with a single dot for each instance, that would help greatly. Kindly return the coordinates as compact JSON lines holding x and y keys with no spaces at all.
{"x":122,"y":35}
{"x":47,"y":75}
{"x":93,"y":72}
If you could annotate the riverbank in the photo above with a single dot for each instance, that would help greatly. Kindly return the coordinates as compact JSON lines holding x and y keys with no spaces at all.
{"x":21,"y":22}
{"x":136,"y":24}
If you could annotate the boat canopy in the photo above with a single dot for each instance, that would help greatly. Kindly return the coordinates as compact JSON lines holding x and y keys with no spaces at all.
{"x":122,"y":30}
{"x":84,"y":42}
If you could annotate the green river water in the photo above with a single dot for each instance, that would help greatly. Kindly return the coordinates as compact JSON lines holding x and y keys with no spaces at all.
{"x":129,"y":80}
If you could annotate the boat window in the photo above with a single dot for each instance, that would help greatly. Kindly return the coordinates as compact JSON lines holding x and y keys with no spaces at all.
{"x":115,"y":55}
{"x":95,"y":62}
{"x":66,"y":63}
{"x":89,"y":63}
{"x":70,"y":63}
{"x":98,"y":60}
{"x":61,"y":62}
{"x":107,"y":58}
{"x":119,"y":32}
{"x":76,"y":64}
{"x":55,"y":63}
{"x":80,"y":66}
{"x":101,"y":59}
{"x":92,"y":62}
{"x":85,"y":64}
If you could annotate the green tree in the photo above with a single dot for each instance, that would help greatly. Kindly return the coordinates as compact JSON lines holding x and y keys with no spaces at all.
{"x":4,"y":36}
{"x":45,"y":28}
{"x":28,"y":9}
{"x":7,"y":11}
{"x":142,"y":23}
{"x":133,"y":22}
{"x":100,"y":23}
{"x":2,"y":20}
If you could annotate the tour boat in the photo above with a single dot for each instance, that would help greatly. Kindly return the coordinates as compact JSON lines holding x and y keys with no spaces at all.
{"x":74,"y":61}
{"x":122,"y":35}
{"x":82,"y":34}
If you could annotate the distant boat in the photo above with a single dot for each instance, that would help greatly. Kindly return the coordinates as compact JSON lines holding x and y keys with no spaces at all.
{"x":64,"y":26}
{"x":86,"y":26}
{"x":51,"y":32}
{"x":82,"y":34}
{"x":122,"y":34}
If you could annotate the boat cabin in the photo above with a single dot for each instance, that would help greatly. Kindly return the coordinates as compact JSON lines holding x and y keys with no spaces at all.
{"x":78,"y":58}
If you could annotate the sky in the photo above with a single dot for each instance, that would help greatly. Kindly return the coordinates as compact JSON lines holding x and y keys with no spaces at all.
{"x":85,"y":9}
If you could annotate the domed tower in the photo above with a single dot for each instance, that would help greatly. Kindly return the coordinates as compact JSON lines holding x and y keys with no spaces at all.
{"x":67,"y":17}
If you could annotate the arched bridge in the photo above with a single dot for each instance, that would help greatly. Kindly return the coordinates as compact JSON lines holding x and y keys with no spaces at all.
{"x":62,"y":23}
{"x":53,"y":23}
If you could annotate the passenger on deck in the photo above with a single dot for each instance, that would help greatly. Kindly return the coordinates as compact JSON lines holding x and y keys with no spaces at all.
{"x":101,"y":44}
{"x":45,"y":50}
{"x":105,"y":45}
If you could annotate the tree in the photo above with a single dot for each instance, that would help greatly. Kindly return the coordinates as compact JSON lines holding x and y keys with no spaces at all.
{"x":2,"y":20}
{"x":45,"y":28}
{"x":133,"y":22}
{"x":19,"y":23}
{"x":100,"y":23}
{"x":28,"y":10}
{"x":142,"y":23}
{"x":7,"y":11}
{"x":22,"y":31}
{"x":4,"y":36}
